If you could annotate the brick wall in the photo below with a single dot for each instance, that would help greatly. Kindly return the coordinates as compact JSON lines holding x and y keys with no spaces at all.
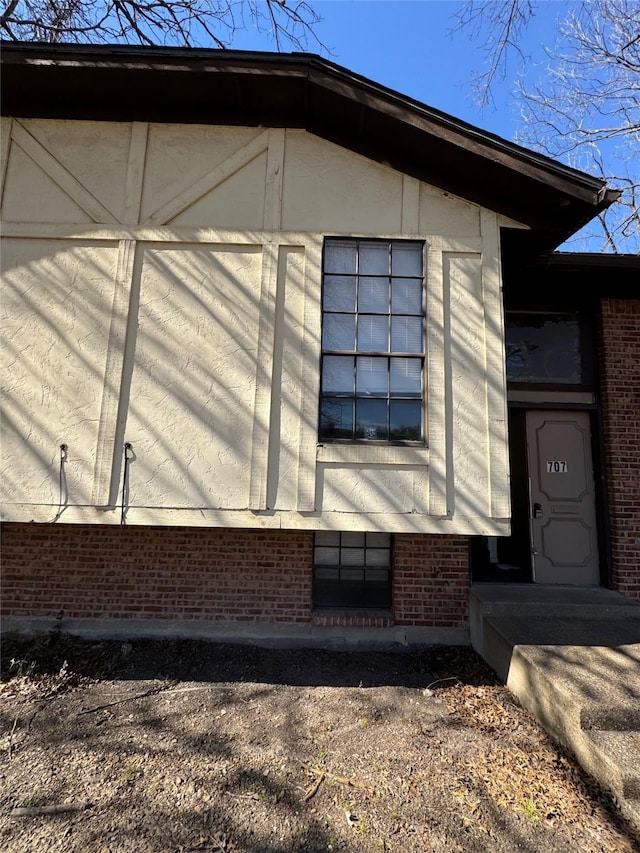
{"x":100,"y":571}
{"x":96,"y":571}
{"x":620,"y":383}
{"x":431,"y":580}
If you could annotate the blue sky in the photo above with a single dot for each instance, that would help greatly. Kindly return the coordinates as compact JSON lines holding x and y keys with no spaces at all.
{"x":409,"y":46}
{"x":406,"y":45}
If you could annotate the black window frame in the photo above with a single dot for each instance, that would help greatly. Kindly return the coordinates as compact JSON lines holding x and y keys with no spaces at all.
{"x":392,"y":403}
{"x":584,"y":354}
{"x":344,"y":590}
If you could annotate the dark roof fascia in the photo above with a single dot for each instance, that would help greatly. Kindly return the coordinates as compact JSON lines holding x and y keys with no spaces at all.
{"x":307,"y":91}
{"x":593,"y":262}
{"x":573,"y":277}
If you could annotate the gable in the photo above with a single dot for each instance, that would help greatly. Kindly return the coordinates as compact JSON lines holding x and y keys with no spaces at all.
{"x":235,"y":88}
{"x":226,"y":177}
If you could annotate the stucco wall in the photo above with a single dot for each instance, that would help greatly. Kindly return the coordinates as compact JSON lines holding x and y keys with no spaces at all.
{"x":161,"y":286}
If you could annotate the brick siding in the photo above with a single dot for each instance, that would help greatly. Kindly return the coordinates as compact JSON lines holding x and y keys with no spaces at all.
{"x":431,"y":580}
{"x":101,"y":571}
{"x":620,"y":383}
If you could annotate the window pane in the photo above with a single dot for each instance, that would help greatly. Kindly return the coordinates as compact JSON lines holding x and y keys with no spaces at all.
{"x":377,"y":575}
{"x":372,"y":376}
{"x":340,"y":293}
{"x":353,"y":540}
{"x":352,"y":574}
{"x":544,"y":348}
{"x":352,"y":557}
{"x":406,"y":377}
{"x":339,"y":331}
{"x":377,"y":557}
{"x":327,"y":556}
{"x":337,"y":374}
{"x":378,"y":540}
{"x":405,"y":418}
{"x":373,"y":333}
{"x":406,"y":259}
{"x":340,"y":256}
{"x":373,"y":295}
{"x":325,"y":574}
{"x":371,"y":420}
{"x":327,"y":537}
{"x":336,"y":418}
{"x":406,"y":296}
{"x":374,"y":259}
{"x":406,"y":334}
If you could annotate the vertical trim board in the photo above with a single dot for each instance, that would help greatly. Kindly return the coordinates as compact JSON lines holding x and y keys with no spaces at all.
{"x":410,"y":205}
{"x":495,"y":367}
{"x":310,"y":378}
{"x":135,"y":172}
{"x":264,"y":378}
{"x":273,"y":189}
{"x":436,"y":386}
{"x":5,"y":145}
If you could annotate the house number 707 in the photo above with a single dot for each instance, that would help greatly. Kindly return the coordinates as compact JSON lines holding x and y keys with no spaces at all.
{"x":556,"y":467}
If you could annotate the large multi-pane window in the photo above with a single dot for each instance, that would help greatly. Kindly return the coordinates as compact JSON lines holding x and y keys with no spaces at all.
{"x":352,"y":569}
{"x":372,"y":340}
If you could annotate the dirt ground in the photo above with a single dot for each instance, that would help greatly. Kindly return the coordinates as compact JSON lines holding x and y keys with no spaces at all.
{"x":185,"y":746}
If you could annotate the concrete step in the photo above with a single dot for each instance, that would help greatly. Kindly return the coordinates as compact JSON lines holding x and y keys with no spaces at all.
{"x":572,"y":658}
{"x":619,"y":756}
{"x":621,"y":718}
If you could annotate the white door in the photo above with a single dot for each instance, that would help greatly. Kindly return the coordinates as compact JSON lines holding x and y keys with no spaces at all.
{"x":562,"y":500}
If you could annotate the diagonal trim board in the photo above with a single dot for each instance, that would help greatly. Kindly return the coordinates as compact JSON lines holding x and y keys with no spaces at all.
{"x":60,"y":175}
{"x":216,"y":176}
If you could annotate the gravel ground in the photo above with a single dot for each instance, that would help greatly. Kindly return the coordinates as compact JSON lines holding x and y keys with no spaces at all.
{"x":185,"y":746}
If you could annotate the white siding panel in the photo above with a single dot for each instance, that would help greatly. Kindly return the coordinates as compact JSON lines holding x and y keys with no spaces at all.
{"x":30,"y":195}
{"x":95,"y":152}
{"x":378,"y":489}
{"x":446,"y":215}
{"x":57,"y":306}
{"x":468,"y":448}
{"x":180,"y":155}
{"x":331,"y":190}
{"x":193,"y":385}
{"x":238,"y":202}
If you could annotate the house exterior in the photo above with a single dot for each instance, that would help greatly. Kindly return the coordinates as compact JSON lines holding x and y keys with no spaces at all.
{"x":255,"y":378}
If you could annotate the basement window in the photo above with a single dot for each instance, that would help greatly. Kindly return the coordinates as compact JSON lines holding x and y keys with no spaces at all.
{"x":352,"y":570}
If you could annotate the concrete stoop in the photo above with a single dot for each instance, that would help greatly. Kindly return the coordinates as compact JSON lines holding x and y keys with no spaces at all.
{"x":574,"y":663}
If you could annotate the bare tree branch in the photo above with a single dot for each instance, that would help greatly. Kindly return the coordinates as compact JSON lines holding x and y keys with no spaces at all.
{"x":499,"y":27}
{"x":585,"y":108}
{"x":186,"y":22}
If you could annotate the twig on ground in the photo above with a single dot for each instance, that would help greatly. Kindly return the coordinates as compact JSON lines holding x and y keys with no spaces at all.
{"x":341,"y":780}
{"x":312,"y":790}
{"x":440,"y":680}
{"x":151,"y":692}
{"x":60,"y":808}
{"x":13,"y":728}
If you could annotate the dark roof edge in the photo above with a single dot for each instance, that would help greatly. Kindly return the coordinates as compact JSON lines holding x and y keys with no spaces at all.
{"x":591,"y":260}
{"x":307,"y":61}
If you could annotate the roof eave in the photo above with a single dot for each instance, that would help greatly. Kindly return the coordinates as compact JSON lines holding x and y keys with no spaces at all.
{"x":306,"y":91}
